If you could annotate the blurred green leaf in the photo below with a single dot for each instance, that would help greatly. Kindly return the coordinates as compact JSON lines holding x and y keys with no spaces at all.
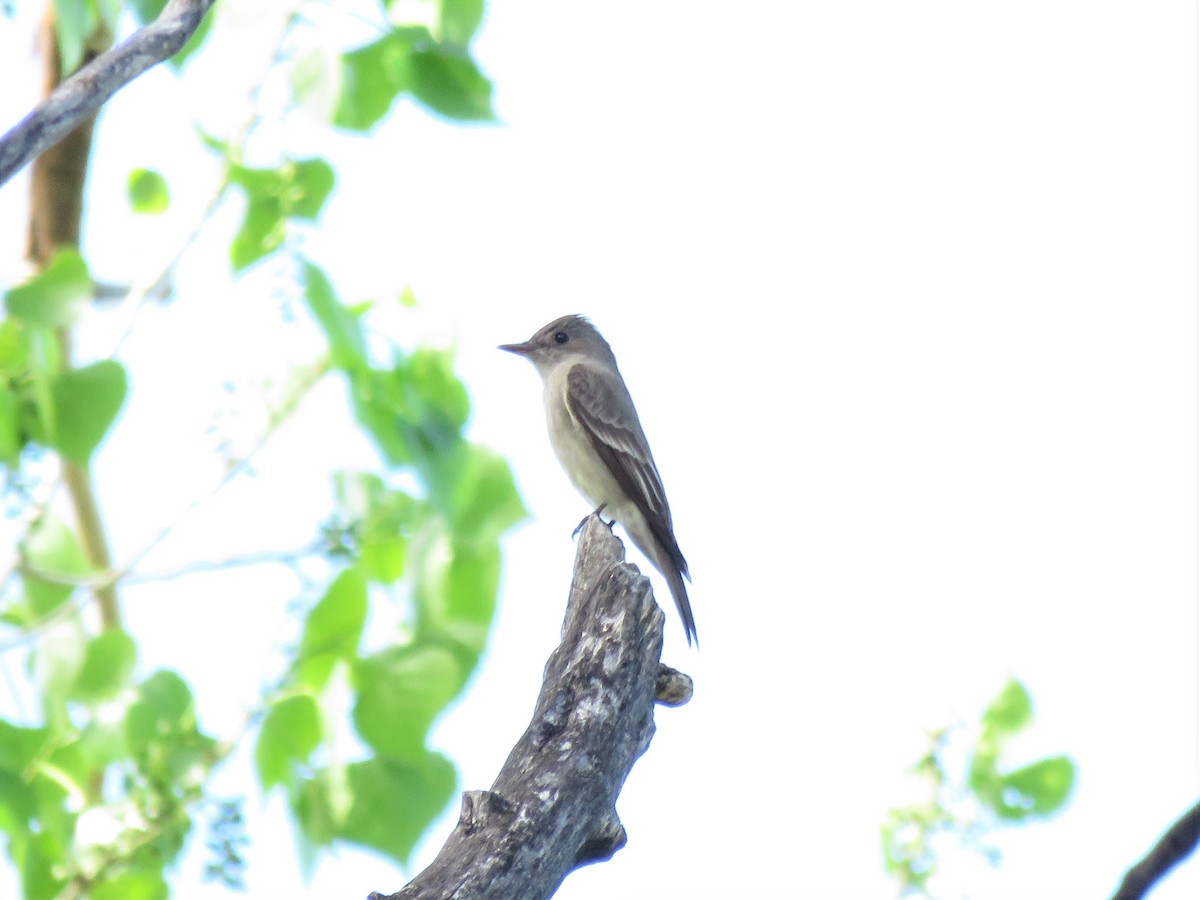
{"x":486,"y":501}
{"x":333,"y":628}
{"x":1039,"y":789}
{"x":309,"y":184}
{"x":56,"y":295}
{"x":10,"y":428}
{"x":108,"y":662}
{"x":373,"y":76}
{"x":319,"y":803}
{"x":52,"y":554}
{"x":162,"y":710}
{"x":401,"y":690}
{"x":459,"y":20}
{"x":382,"y":519}
{"x":18,"y":804}
{"x":448,"y":82}
{"x":470,"y":598}
{"x":44,"y":856}
{"x":435,"y":392}
{"x":20,"y":746}
{"x":383,"y":558}
{"x":148,"y":192}
{"x":378,"y":400}
{"x":101,"y":744}
{"x":380,"y":787}
{"x":290,"y":733}
{"x":14,"y":352}
{"x":991,"y":798}
{"x":1011,"y":711}
{"x":74,"y":22}
{"x":297,"y":189}
{"x":86,"y":403}
{"x":138,"y":884}
{"x":342,"y":329}
{"x":456,"y":591}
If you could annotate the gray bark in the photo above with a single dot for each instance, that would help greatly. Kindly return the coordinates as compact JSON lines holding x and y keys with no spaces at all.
{"x":553,"y":806}
{"x":89,"y":88}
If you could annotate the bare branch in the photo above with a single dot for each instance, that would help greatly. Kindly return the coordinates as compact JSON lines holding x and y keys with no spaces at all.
{"x":1180,"y":840}
{"x":553,"y":806}
{"x":89,"y":88}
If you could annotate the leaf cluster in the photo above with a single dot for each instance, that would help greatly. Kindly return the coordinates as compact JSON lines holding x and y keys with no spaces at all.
{"x":102,"y":785}
{"x":971,"y":804}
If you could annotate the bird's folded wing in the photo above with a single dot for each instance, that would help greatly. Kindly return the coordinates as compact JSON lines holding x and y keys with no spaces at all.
{"x":612,"y":425}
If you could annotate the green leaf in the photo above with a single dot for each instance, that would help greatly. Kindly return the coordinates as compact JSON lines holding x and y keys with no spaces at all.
{"x":56,"y":295}
{"x":52,"y":554}
{"x":449,"y":83}
{"x":86,"y":403}
{"x":377,"y":397}
{"x":347,"y":347}
{"x":44,"y":858}
{"x":371,"y":79}
{"x":470,"y":599}
{"x":318,"y":804}
{"x":108,"y":662}
{"x":148,"y":192}
{"x":434,"y":388}
{"x":456,"y":592}
{"x":18,"y":804}
{"x":401,"y":691}
{"x":100,"y":744}
{"x":290,"y":733}
{"x":486,"y":502}
{"x":294,"y":190}
{"x":138,"y":884}
{"x":333,"y":628}
{"x":262,"y":230}
{"x":459,"y":20}
{"x":10,"y":428}
{"x":14,"y":349}
{"x":74,"y":22}
{"x":163,"y":708}
{"x":20,"y":746}
{"x":309,"y":184}
{"x":1039,"y":789}
{"x":382,"y":521}
{"x":383,"y":558}
{"x":380,"y":787}
{"x":1011,"y":711}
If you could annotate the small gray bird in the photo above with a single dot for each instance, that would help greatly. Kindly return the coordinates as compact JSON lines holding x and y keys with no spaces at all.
{"x":597,"y":437}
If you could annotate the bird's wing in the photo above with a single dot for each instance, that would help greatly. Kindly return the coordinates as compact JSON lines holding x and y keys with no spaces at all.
{"x":614,"y":430}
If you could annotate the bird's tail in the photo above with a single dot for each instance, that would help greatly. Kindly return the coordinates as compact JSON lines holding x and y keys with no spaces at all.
{"x":679,"y":593}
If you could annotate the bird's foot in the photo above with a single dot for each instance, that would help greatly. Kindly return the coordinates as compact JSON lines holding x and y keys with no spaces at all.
{"x":599,"y":509}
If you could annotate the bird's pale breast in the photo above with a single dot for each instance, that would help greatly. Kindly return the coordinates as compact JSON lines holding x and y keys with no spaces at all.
{"x":574,"y":448}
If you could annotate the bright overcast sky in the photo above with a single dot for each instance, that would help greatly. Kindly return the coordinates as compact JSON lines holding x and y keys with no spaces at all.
{"x":906,"y":295}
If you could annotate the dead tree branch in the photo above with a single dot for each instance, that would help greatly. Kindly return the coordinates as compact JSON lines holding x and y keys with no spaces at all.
{"x":1180,"y":840}
{"x":89,"y":88}
{"x":553,"y":806}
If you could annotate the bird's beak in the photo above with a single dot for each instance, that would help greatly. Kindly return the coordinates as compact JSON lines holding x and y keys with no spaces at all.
{"x":523,"y":349}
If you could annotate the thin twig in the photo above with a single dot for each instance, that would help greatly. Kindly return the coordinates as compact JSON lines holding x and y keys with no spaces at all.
{"x":266,"y":557}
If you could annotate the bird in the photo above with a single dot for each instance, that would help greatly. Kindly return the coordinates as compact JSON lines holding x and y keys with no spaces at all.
{"x":598,"y":439}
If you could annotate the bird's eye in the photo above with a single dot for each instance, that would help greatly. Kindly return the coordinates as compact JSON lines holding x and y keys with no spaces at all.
{"x":561,"y":337}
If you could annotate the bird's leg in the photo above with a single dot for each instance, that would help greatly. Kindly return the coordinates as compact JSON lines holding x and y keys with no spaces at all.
{"x":599,"y":509}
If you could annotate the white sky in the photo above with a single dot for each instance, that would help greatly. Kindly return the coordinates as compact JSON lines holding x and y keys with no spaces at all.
{"x":906,"y":295}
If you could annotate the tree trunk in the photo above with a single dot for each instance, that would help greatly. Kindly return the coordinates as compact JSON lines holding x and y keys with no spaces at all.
{"x":553,"y":805}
